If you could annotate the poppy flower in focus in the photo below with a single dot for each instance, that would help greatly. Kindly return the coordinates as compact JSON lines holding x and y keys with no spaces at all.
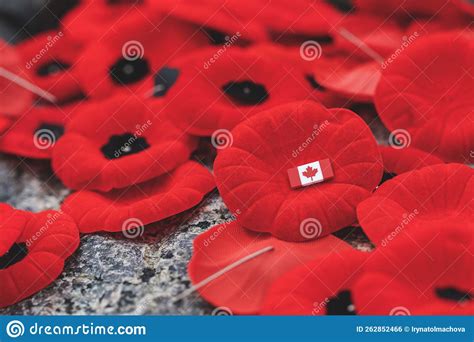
{"x":253,"y":262}
{"x":428,"y":92}
{"x":218,"y":93}
{"x":252,"y":177}
{"x":433,"y":279}
{"x":49,"y":59}
{"x":34,"y":134}
{"x":426,"y":199}
{"x":132,"y":54}
{"x":117,"y":143}
{"x":320,"y":287}
{"x":397,"y":161}
{"x":147,"y":202}
{"x":13,"y":98}
{"x":33,"y":248}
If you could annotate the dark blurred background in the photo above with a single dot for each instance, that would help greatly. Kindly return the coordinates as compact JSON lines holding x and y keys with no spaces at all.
{"x":20,"y":19}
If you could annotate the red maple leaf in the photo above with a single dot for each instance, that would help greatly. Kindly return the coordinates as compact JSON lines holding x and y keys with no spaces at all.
{"x":310,"y":172}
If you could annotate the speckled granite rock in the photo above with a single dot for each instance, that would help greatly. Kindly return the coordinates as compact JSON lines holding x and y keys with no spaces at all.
{"x":110,"y":274}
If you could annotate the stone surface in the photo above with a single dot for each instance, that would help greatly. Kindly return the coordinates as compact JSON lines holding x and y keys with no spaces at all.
{"x":110,"y":274}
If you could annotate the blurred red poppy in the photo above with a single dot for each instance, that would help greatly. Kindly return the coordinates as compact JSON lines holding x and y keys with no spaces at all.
{"x":428,"y":92}
{"x":33,"y":248}
{"x":219,"y":91}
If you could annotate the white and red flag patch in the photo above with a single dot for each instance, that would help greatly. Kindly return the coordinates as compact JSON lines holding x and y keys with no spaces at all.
{"x":310,"y":173}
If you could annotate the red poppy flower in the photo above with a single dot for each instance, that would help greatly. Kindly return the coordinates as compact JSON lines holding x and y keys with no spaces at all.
{"x":14,"y":99}
{"x":33,"y":248}
{"x":353,"y":79}
{"x":147,"y":202}
{"x":5,"y":122}
{"x":320,"y":287}
{"x":34,"y":134}
{"x":397,"y":161}
{"x":428,"y":198}
{"x":48,"y":59}
{"x":218,"y":92}
{"x":428,"y":92}
{"x":433,"y":279}
{"x":218,"y":20}
{"x":248,"y":278}
{"x":252,"y":174}
{"x":131,"y":55}
{"x":117,"y":143}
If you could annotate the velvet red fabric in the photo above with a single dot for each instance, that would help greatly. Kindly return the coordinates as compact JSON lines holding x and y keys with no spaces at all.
{"x":35,"y":133}
{"x":320,"y":287}
{"x":48,"y":60}
{"x":147,"y":202}
{"x":405,"y":8}
{"x":117,"y":143}
{"x":33,"y":248}
{"x":433,"y":279}
{"x":219,"y":91}
{"x":397,"y":161}
{"x":430,"y":198}
{"x":251,"y":175}
{"x":465,"y":5}
{"x":13,"y":98}
{"x":428,"y":92}
{"x":133,"y":53}
{"x":243,"y":288}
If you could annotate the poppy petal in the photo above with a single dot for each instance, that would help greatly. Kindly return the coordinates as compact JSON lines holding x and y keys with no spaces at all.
{"x":117,"y":143}
{"x":243,"y":288}
{"x":321,"y":287}
{"x":439,"y":194}
{"x":147,"y":202}
{"x":252,"y":174}
{"x":428,"y":92}
{"x":33,"y":248}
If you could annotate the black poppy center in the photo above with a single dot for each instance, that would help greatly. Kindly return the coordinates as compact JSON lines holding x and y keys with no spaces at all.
{"x":123,"y":145}
{"x":127,"y":71}
{"x":52,"y":68}
{"x":386,"y":176}
{"x":314,"y":84}
{"x":16,"y":253}
{"x":341,"y":304}
{"x":49,"y":131}
{"x":453,"y":294}
{"x":164,"y":80}
{"x":246,"y":92}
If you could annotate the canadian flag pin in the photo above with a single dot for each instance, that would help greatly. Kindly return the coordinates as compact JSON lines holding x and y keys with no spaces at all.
{"x":310,"y":173}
